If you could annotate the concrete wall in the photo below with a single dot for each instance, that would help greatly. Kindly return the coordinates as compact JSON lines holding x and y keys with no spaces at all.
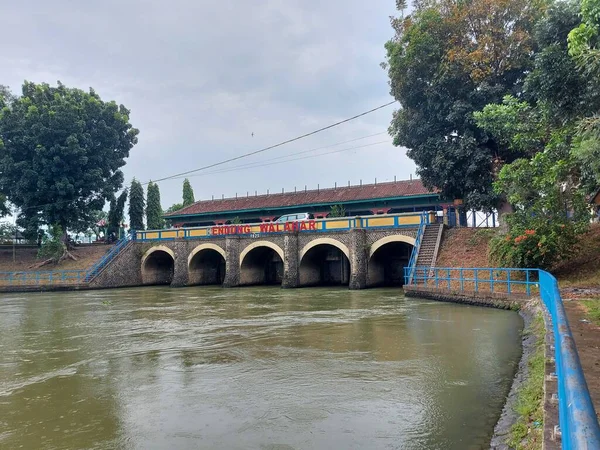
{"x":304,"y":257}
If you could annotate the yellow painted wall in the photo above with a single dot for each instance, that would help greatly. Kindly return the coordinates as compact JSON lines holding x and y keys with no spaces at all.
{"x":336,"y":224}
{"x":380,"y":222}
{"x":201,"y":232}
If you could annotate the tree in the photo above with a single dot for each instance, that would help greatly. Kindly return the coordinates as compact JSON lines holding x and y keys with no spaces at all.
{"x":584,"y":40}
{"x":136,"y":205}
{"x":154,"y":211}
{"x":174,"y":207}
{"x":8,"y":232}
{"x":63,"y":150}
{"x":448,"y":60}
{"x":188,"y":193}
{"x":337,"y":211}
{"x":116,"y":213}
{"x":548,"y":184}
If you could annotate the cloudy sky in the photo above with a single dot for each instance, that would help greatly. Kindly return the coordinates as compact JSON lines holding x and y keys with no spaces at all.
{"x":201,"y":76}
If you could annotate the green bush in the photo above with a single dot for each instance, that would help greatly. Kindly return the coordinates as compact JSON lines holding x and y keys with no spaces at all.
{"x":52,"y":246}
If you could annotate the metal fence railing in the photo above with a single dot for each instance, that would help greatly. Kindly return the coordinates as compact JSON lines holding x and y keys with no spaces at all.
{"x":109,"y":256}
{"x":42,"y":277}
{"x":414,"y":255}
{"x":579,"y":428}
{"x":478,"y":280}
{"x":578,"y":422}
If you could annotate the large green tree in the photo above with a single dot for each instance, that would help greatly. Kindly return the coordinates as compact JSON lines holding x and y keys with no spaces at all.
{"x":447,"y":60}
{"x":154,"y":210}
{"x":188,"y":193}
{"x":136,"y":205}
{"x":116,"y":213}
{"x":548,"y":184}
{"x":62,"y":153}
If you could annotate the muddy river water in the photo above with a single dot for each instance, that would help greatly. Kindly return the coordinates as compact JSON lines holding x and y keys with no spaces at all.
{"x":251,"y":368}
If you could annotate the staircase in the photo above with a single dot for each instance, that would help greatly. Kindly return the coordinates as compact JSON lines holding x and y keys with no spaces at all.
{"x":430,"y":243}
{"x":108,"y":257}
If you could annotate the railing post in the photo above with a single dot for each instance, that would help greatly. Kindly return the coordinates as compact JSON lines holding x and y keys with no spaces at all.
{"x":508,"y":280}
{"x":462,"y":281}
{"x":476,"y":280}
{"x":436,"y":278}
{"x":448,"y":276}
{"x":492,"y":280}
{"x":527,"y":287}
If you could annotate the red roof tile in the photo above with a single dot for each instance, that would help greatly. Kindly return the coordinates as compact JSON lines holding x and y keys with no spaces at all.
{"x":405,"y":188}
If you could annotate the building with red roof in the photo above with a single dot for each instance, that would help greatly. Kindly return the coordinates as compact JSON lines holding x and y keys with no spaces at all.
{"x":364,"y":199}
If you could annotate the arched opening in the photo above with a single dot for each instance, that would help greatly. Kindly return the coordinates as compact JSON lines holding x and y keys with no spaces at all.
{"x":261,"y":265}
{"x":158,"y":266}
{"x":387,"y":263}
{"x":206,"y":266}
{"x":324,"y":265}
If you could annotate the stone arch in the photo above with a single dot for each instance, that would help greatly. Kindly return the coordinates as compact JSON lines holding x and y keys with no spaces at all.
{"x":386,"y":240}
{"x":206,"y":265}
{"x":388,"y":258}
{"x":158,"y":265}
{"x":257,"y":244}
{"x":208,"y":246}
{"x":324,"y":261}
{"x":322,"y":241}
{"x":261,"y":263}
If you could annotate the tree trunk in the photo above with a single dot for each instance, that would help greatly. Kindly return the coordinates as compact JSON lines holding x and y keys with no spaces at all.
{"x":504,"y":208}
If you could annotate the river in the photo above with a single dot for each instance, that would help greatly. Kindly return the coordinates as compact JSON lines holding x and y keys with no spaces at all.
{"x":251,"y":368}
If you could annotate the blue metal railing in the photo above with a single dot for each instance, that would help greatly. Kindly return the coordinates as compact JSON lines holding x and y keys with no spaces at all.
{"x":578,"y":421}
{"x":337,"y":224}
{"x":109,"y":256}
{"x":414,"y":255}
{"x":477,"y":279}
{"x":577,"y":417}
{"x":42,"y":277}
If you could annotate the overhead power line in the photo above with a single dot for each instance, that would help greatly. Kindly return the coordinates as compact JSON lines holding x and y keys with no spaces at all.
{"x":290,"y":155}
{"x":245,"y":155}
{"x":267,"y":163}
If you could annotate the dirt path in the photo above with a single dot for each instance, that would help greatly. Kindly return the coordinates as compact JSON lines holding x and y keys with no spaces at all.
{"x":587,"y":340}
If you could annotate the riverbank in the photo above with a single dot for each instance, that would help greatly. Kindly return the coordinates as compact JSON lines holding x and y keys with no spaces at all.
{"x":26,"y":258}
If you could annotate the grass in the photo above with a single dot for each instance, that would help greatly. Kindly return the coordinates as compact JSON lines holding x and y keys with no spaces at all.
{"x":592,"y":309}
{"x":582,"y":269}
{"x":527,"y":432}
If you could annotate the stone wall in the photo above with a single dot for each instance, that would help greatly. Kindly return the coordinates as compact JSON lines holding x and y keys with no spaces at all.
{"x":133,"y":266}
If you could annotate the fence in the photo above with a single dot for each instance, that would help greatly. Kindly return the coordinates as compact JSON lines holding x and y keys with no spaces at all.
{"x":386,"y":221}
{"x":578,"y":423}
{"x":415,"y":251}
{"x":42,"y":277}
{"x":479,"y":280}
{"x":577,"y":417}
{"x":109,"y":256}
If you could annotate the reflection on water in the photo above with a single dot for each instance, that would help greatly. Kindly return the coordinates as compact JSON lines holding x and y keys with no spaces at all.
{"x":252,"y":368}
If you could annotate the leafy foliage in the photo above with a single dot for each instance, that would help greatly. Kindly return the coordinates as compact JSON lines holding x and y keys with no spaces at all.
{"x":448,"y":60}
{"x":136,"y":205}
{"x":337,"y":211}
{"x":154,"y":211}
{"x":7,"y":232}
{"x":53,"y":246}
{"x":174,"y":207}
{"x":188,"y":193}
{"x":62,"y":153}
{"x":236,"y":221}
{"x":116,"y":212}
{"x":584,"y":40}
{"x":548,"y":215}
{"x":558,"y":164}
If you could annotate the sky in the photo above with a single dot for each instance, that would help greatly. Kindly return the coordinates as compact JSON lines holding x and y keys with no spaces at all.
{"x":201,"y":77}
